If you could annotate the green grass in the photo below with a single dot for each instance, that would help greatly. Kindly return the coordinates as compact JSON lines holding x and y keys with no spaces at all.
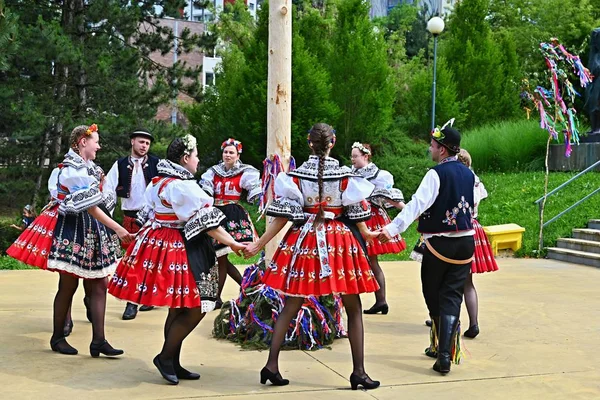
{"x":10,"y":264}
{"x":511,"y":197}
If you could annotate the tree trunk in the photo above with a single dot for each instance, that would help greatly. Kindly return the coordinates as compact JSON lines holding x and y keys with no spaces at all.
{"x":279,"y":93}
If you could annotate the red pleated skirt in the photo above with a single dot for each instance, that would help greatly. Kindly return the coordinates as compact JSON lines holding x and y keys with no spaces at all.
{"x":158,"y":274}
{"x":379,"y":219}
{"x":484,"y":260}
{"x":34,"y":245}
{"x":350,"y":270}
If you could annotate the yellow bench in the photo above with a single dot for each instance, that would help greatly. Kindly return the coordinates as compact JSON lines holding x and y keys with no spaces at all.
{"x":507,"y":236}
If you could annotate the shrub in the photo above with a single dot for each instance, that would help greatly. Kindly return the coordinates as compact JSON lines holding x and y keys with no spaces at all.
{"x":507,"y":146}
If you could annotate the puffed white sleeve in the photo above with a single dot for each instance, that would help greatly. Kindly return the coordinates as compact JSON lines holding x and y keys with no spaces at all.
{"x":111,"y":180}
{"x":251,"y":183}
{"x":53,"y":183}
{"x":84,"y":190}
{"x":206,"y":182}
{"x":147,"y":211}
{"x":385,"y":190}
{"x":288,"y":199}
{"x":356,"y":207}
{"x":190,"y":203}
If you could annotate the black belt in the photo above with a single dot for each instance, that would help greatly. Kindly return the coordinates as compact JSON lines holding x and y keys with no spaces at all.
{"x":130,"y":213}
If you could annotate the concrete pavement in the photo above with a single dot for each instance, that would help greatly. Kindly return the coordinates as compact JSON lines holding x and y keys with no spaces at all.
{"x":539,"y":320}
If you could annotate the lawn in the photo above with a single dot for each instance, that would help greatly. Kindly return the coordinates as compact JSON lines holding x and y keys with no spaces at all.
{"x":511,"y":200}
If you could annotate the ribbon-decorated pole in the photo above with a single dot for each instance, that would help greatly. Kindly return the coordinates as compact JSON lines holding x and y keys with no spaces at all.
{"x":559,"y":61}
{"x":279,"y":100}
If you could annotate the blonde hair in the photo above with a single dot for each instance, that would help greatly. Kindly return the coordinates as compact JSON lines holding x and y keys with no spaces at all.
{"x":464,"y":157}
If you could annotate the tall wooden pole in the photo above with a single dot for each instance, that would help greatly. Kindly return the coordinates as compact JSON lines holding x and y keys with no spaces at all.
{"x":279,"y":91}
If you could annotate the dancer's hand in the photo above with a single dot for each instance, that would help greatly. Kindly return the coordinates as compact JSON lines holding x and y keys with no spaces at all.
{"x":238,"y":248}
{"x":251,"y":250}
{"x":125,"y":236}
{"x":369,"y":235}
{"x":384,"y":236}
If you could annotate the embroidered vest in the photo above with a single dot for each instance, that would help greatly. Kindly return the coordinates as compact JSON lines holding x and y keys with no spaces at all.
{"x":125,"y":168}
{"x":227,"y":190}
{"x":453,"y":208}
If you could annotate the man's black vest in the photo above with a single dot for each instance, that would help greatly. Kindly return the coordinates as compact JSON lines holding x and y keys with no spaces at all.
{"x":453,"y":208}
{"x":125,"y":166}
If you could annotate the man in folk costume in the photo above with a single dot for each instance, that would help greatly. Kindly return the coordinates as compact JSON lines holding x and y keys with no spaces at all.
{"x":128,"y":179}
{"x":444,"y":204}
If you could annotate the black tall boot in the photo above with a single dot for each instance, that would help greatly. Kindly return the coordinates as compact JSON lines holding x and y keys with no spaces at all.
{"x":447,"y":330}
{"x":434,"y":333}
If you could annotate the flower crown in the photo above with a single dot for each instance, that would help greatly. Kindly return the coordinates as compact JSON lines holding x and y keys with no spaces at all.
{"x":190,"y":144}
{"x":363,"y":149}
{"x":437,"y":133}
{"x":93,"y":128}
{"x":232,"y":142}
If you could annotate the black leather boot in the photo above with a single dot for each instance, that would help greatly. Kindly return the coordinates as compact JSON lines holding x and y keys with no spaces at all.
{"x":431,"y":351}
{"x":130,"y":311}
{"x":447,"y":330}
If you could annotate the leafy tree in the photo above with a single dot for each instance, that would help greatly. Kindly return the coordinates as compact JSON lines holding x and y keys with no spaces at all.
{"x":486,"y":76}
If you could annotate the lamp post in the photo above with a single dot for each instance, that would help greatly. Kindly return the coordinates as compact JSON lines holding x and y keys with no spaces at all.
{"x":435,"y":26}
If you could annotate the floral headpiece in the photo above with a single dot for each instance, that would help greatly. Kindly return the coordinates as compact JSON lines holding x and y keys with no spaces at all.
{"x":93,"y":128}
{"x":450,"y":139}
{"x":232,"y":142}
{"x":190,"y":144}
{"x":363,"y":149}
{"x":332,"y":139}
{"x":437,"y":133}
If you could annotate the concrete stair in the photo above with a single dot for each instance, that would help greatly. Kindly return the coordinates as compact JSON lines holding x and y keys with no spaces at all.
{"x":582,"y":248}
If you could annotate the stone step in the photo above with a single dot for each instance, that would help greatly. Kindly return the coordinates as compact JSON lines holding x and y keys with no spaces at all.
{"x":594,"y":224}
{"x":574,"y":256}
{"x":587,"y":234}
{"x":588,"y":246}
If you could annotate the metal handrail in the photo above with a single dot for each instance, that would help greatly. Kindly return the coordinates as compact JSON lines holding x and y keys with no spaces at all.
{"x":539,"y":201}
{"x":569,"y":181}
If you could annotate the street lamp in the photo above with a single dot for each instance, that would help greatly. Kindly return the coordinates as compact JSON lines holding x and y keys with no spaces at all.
{"x":435,"y":26}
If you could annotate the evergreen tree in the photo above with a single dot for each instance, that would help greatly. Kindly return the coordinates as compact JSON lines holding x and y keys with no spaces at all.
{"x":360,"y":77}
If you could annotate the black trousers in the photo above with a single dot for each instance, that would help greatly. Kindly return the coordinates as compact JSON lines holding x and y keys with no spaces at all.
{"x":443,"y":283}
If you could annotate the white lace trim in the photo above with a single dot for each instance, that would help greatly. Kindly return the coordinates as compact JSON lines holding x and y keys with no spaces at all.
{"x":58,"y":265}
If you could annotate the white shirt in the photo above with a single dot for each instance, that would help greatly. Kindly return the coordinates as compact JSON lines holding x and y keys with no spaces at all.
{"x":421,"y":201}
{"x":135,"y":201}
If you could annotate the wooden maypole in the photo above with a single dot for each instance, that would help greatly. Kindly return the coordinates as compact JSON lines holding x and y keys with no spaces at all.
{"x":279,"y":92}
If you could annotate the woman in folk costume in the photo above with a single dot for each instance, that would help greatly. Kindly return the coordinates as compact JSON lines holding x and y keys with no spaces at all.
{"x":385,"y":195}
{"x":75,"y":236}
{"x":225,"y":182}
{"x":173,"y":262}
{"x":484,"y":260}
{"x":320,"y":254}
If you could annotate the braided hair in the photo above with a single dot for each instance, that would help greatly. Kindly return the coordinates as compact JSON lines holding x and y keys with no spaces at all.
{"x":321,"y":137}
{"x":76,"y":135}
{"x":176,"y":150}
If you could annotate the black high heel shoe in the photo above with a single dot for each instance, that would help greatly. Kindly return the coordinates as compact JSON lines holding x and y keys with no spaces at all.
{"x":66,"y":349}
{"x":356,"y":380}
{"x":167,"y":371}
{"x":68,"y":328}
{"x":472,"y":332}
{"x":276,"y":379}
{"x":383,"y":309}
{"x":104,"y":348}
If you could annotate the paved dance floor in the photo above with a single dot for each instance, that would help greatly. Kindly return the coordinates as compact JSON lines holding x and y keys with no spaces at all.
{"x":540,"y":338}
